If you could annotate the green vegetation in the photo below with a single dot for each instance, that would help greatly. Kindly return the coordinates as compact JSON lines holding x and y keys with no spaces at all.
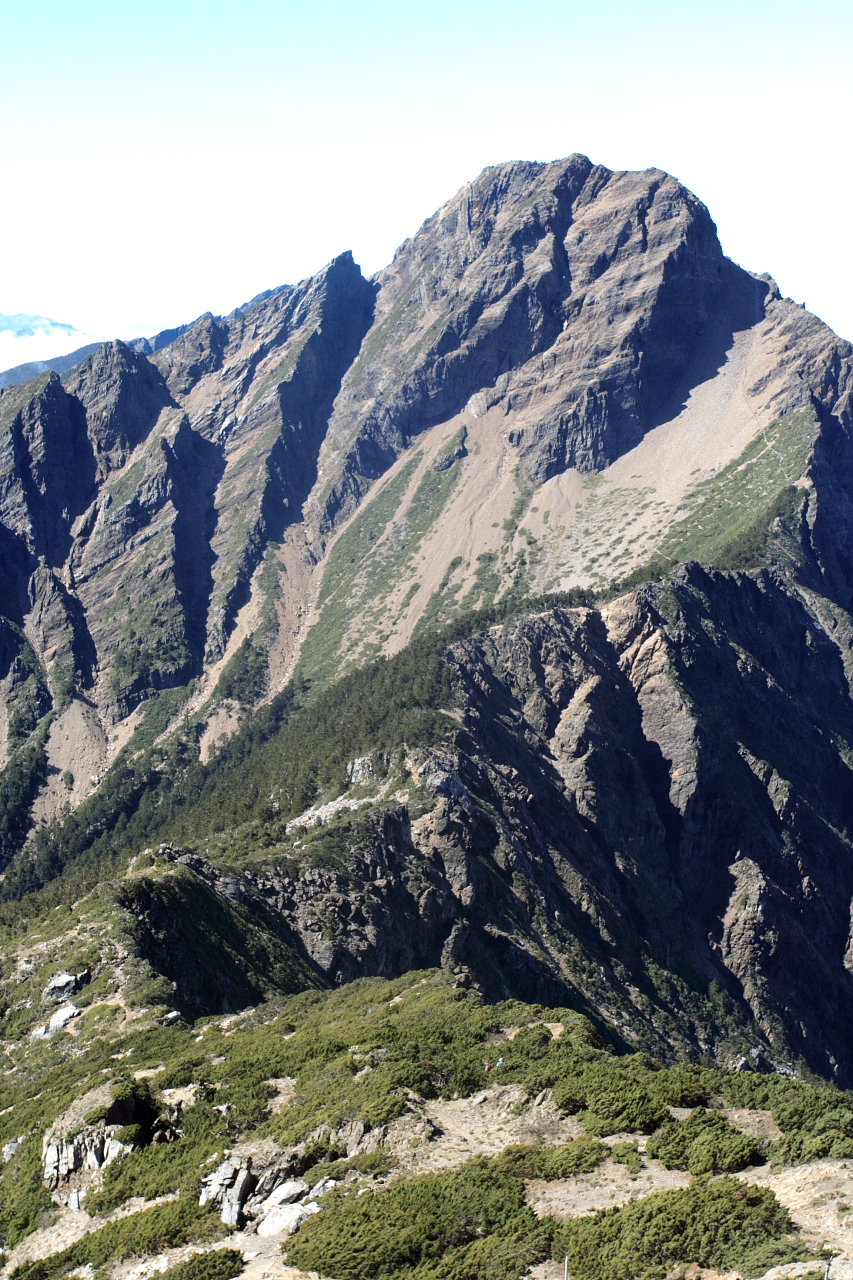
{"x":370,"y":1052}
{"x":161,"y":1170}
{"x":704,"y":1143}
{"x":422,"y":1227}
{"x":20,"y":781}
{"x":165,"y":1226}
{"x":244,"y":676}
{"x":25,"y":1203}
{"x":817,"y":1125}
{"x":611,"y":1103}
{"x":367,"y":559}
{"x":376,"y":1163}
{"x":161,"y":789}
{"x":724,"y":1224}
{"x":343,"y":565}
{"x":734,"y":519}
{"x":473,"y":1222}
{"x":214,"y":1264}
{"x":31,"y":699}
{"x":628,"y":1154}
{"x":581,"y":1155}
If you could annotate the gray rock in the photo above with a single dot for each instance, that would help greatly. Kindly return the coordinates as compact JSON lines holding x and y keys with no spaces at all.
{"x":58,"y":1022}
{"x":10,"y":1148}
{"x":63,"y":985}
{"x":285,"y":1193}
{"x":228,"y":1187}
{"x":286,"y":1219}
{"x":91,"y":1149}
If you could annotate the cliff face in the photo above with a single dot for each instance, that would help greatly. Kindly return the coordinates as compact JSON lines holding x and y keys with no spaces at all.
{"x":645,"y":812}
{"x":564,"y":290}
{"x":560,"y":382}
{"x":135,"y":506}
{"x":539,"y":327}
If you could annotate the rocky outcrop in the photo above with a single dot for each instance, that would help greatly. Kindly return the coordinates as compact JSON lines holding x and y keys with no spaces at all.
{"x":646,"y":815}
{"x":268,"y":1198}
{"x":228,"y":1187}
{"x":580,"y":302}
{"x":212,"y":937}
{"x":86,"y":1151}
{"x":57,"y":1022}
{"x":62,"y":986}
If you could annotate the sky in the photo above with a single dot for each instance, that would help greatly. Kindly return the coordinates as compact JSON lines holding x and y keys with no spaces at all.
{"x":163,"y":160}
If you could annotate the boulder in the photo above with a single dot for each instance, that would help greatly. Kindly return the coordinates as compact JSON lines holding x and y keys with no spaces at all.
{"x":62,"y":986}
{"x":286,"y":1218}
{"x":285,"y":1193}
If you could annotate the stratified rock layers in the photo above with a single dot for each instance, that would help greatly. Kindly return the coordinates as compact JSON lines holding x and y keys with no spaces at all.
{"x":647,"y":808}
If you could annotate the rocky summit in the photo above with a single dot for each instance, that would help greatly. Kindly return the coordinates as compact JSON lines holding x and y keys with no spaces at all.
{"x":460,"y":658}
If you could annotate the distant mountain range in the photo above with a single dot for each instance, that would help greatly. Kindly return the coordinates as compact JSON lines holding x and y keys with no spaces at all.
{"x":31,"y":341}
{"x":21,"y":373}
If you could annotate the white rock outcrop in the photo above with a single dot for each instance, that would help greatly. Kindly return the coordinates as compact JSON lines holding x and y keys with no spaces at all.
{"x":229,"y":1187}
{"x":58,"y":1022}
{"x":286,"y":1219}
{"x":89,"y":1150}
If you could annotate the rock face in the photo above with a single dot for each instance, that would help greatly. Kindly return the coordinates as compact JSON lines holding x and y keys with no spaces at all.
{"x":559,"y":382}
{"x":267,"y":1197}
{"x":62,"y":986}
{"x":86,"y":1151}
{"x":228,"y":1187}
{"x":647,"y":814}
{"x":508,"y":294}
{"x":558,"y":312}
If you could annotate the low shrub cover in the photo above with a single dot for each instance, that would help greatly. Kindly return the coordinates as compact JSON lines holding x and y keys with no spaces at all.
{"x":164,"y":1226}
{"x":704,"y":1143}
{"x":420,"y":1223}
{"x":473,"y":1223}
{"x":215,"y":1264}
{"x":724,"y":1224}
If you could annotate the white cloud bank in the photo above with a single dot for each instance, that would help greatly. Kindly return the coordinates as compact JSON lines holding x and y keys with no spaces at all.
{"x":24,"y":339}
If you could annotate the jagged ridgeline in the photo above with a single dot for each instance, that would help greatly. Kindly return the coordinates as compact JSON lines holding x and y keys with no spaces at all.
{"x":489,"y":618}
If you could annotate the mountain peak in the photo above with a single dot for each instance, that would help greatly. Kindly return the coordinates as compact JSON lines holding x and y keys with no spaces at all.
{"x":536,"y":547}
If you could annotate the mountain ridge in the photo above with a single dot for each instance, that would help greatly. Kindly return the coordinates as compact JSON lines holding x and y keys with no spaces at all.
{"x":426,"y":739}
{"x":559,"y":388}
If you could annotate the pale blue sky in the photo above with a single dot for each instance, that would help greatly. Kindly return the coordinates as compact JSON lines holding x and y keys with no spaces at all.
{"x":165,"y":159}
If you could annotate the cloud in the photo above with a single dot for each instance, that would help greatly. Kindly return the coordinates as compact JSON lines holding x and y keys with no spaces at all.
{"x":24,"y":339}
